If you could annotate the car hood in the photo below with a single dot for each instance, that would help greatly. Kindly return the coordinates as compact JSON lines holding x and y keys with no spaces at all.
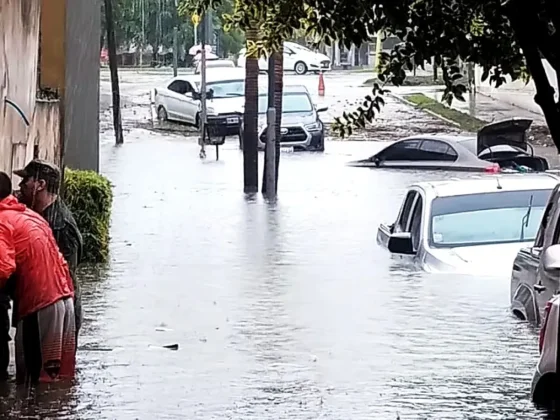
{"x":226,"y":105}
{"x":511,"y":132}
{"x":479,"y":259}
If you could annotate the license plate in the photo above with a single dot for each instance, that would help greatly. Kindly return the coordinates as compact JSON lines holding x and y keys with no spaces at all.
{"x":287,"y":149}
{"x":233,"y":120}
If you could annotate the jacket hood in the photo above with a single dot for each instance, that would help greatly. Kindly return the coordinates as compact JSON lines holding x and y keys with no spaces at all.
{"x":11,"y":203}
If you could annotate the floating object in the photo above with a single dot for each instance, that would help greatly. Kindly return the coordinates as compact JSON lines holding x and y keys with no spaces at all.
{"x":172,"y":347}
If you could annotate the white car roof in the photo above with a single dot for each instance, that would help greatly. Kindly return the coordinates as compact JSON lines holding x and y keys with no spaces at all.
{"x":489,"y":183}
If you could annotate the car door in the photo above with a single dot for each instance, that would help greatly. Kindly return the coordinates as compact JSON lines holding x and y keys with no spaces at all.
{"x":189,"y":105}
{"x":402,"y":221}
{"x":175,"y":98}
{"x":548,"y":281}
{"x":289,"y":59}
{"x":524,"y":275}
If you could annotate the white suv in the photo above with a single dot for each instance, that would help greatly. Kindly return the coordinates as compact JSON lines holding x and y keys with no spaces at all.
{"x":545,"y":388}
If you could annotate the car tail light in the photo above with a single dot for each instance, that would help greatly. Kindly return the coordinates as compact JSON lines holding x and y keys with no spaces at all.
{"x":543,"y":328}
{"x":492,"y":169}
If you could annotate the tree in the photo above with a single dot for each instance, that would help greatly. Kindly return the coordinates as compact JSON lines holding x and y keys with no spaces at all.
{"x":507,"y":39}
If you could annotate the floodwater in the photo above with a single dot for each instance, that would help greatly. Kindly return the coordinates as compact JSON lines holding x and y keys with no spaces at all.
{"x":286,"y":311}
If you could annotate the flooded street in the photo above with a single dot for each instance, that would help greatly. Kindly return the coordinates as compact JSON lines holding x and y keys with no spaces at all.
{"x":285,"y":311}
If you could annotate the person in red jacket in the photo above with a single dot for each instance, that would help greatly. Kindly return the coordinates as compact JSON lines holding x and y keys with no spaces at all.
{"x":46,"y":333}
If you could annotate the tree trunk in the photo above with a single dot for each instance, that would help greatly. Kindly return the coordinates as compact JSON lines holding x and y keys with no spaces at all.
{"x":524,"y":23}
{"x":278,"y":93}
{"x":250,"y":121}
{"x":112,"y":47}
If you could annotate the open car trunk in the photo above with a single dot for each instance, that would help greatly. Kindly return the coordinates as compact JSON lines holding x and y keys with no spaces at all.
{"x":505,"y":143}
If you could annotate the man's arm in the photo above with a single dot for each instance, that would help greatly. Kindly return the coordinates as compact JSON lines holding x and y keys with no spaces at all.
{"x":7,"y":254}
{"x":69,"y":242}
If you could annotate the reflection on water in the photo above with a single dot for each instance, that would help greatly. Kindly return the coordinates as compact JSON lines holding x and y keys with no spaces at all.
{"x":282,"y":312}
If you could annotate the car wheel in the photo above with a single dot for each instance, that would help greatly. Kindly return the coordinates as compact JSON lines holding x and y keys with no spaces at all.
{"x":300,"y":68}
{"x":162,"y":114}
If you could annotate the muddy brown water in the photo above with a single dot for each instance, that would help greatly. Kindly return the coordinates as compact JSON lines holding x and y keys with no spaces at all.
{"x":286,"y":311}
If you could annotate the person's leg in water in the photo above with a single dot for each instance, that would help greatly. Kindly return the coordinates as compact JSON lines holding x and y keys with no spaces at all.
{"x":45,"y":344}
{"x":4,"y":336}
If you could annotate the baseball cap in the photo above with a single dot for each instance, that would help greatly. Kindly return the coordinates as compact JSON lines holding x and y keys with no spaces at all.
{"x":40,"y":169}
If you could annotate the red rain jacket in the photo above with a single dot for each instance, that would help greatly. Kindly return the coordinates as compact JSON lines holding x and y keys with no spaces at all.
{"x":29,"y":250}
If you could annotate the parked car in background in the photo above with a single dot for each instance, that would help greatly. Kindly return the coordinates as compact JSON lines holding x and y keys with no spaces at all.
{"x":534,"y":281}
{"x":214,"y":64}
{"x":501,"y":145}
{"x":297,"y":58}
{"x":179,"y":100}
{"x":471,"y":225}
{"x":302,"y":128}
{"x":545,"y":388}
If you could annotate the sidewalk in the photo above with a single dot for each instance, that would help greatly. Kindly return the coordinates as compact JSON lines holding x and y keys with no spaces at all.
{"x":481,"y":105}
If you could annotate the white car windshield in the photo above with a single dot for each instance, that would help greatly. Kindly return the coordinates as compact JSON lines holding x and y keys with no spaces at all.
{"x":291,"y":102}
{"x":487,"y":218}
{"x":227,"y":88}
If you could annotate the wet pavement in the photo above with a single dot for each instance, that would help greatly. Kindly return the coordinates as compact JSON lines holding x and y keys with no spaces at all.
{"x":285,"y":311}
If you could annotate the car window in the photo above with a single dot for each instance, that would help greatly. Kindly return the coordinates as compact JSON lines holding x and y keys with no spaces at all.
{"x":180,"y":86}
{"x":438,"y":150}
{"x":487,"y":218}
{"x":416,"y":223}
{"x":402,"y":224}
{"x":403,"y":150}
{"x":539,"y":240}
{"x":291,"y":102}
{"x":228,"y":88}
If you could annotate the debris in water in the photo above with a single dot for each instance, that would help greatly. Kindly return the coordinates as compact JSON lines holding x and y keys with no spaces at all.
{"x":172,"y":347}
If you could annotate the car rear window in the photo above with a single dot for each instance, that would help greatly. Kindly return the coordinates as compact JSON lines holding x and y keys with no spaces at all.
{"x":487,"y":218}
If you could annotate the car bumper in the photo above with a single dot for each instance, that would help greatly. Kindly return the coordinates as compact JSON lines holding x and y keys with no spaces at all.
{"x":298,"y":138}
{"x":323,"y":66}
{"x":224,"y":124}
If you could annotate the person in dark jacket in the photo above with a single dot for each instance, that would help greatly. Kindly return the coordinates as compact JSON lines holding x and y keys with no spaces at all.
{"x":39,"y":190}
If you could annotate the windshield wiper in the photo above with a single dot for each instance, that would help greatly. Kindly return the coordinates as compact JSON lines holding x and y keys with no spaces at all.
{"x":525,"y":219}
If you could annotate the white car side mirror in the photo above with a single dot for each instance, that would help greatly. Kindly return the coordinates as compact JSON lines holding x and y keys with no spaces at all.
{"x":551,"y":258}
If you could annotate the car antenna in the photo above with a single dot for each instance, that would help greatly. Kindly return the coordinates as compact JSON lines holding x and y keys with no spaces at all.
{"x":499,"y":185}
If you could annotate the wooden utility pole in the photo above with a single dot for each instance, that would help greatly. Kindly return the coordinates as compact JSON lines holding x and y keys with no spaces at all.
{"x":112,"y":47}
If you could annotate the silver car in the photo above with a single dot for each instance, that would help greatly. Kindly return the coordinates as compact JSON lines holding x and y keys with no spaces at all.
{"x":469,"y":226}
{"x":499,"y":145}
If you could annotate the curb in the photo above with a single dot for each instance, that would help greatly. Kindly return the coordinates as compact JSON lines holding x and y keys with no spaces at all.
{"x":433,"y":114}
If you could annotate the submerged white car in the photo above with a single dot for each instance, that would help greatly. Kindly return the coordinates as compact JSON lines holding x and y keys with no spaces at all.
{"x":179,"y":99}
{"x":297,"y":58}
{"x":545,"y":389}
{"x":471,"y":225}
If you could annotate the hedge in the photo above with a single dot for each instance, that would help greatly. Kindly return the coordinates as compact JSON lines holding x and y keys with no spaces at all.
{"x":89,"y":196}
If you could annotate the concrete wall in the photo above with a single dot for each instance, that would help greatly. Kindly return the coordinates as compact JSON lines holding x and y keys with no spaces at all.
{"x":81,"y":116}
{"x":19,"y":47}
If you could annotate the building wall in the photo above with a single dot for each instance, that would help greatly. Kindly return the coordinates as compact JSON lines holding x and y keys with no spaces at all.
{"x":19,"y":47}
{"x":81,"y":116}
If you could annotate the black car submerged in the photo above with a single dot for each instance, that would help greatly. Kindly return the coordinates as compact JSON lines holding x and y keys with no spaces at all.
{"x":302,"y":128}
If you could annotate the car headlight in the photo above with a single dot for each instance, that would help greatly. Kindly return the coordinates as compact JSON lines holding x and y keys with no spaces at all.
{"x":316,"y":126}
{"x":211,"y":111}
